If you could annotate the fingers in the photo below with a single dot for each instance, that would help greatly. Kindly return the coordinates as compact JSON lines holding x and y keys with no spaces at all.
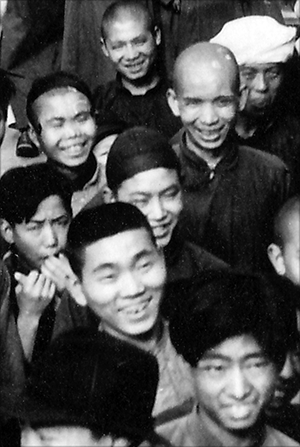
{"x":36,"y":285}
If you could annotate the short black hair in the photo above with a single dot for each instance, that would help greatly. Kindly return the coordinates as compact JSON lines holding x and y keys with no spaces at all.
{"x":53,"y":81}
{"x":116,"y":10}
{"x":22,"y":189}
{"x":94,"y":224}
{"x":281,"y":220}
{"x":7,"y":91}
{"x":222,"y":305}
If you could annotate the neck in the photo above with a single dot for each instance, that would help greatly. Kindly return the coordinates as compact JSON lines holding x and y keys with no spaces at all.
{"x":147,"y":341}
{"x":246,"y":125}
{"x":245,"y":438}
{"x":77,"y":175}
{"x":211,"y":156}
{"x":141,"y":86}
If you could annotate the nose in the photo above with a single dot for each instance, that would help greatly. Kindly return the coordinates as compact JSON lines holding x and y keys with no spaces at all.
{"x":260,"y":82}
{"x":131,"y":51}
{"x":209,"y":116}
{"x":239,"y":386}
{"x":49,"y":236}
{"x":157,"y":210}
{"x":70,"y":129}
{"x":287,"y":371}
{"x":131,"y":285}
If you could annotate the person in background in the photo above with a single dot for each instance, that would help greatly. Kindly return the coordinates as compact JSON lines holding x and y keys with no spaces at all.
{"x":59,"y":110}
{"x":230,"y":192}
{"x":263,"y":49}
{"x":232,"y":333}
{"x":112,"y":250}
{"x":115,"y":385}
{"x":130,"y":39}
{"x":7,"y":91}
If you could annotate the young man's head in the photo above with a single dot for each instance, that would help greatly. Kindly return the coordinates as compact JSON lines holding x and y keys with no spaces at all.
{"x":284,"y":252}
{"x":90,"y":390}
{"x":230,"y":332}
{"x":7,"y":90}
{"x":261,"y":46}
{"x":130,"y":39}
{"x":142,"y":169}
{"x":205,"y":94}
{"x":122,"y":273}
{"x":35,"y":212}
{"x":60,"y":117}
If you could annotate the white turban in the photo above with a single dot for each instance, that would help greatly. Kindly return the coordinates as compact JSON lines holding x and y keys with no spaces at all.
{"x":257,"y":40}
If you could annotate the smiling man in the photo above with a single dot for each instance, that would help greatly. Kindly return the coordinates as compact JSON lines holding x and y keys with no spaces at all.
{"x":112,"y":250}
{"x":62,"y":126}
{"x":130,"y":39}
{"x":230,"y":192}
{"x":231,"y":332}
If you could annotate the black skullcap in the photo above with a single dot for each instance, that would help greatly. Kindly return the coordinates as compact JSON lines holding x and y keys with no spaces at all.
{"x":137,"y":150}
{"x":93,"y":380}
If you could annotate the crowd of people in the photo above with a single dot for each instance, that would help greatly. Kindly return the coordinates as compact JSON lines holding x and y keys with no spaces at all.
{"x":150,"y":278}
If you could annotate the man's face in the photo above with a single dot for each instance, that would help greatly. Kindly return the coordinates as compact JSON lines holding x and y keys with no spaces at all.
{"x":68,"y":128}
{"x":288,"y":383}
{"x":68,"y":437}
{"x":291,"y":249}
{"x":207,"y":105}
{"x":262,"y":82}
{"x":157,"y":193}
{"x":131,"y":47}
{"x":122,"y":279}
{"x":45,"y":234}
{"x":234,"y":382}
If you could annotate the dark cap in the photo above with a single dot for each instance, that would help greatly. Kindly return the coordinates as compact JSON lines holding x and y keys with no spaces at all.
{"x":137,"y":150}
{"x":93,"y":380}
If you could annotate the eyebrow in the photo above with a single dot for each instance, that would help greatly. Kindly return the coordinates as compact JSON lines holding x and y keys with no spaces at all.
{"x":212,"y":356}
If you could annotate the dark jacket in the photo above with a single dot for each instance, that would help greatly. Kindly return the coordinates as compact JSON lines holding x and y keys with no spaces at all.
{"x":229,"y":210}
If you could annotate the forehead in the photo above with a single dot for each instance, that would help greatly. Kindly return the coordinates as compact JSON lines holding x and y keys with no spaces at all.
{"x":151,"y":181}
{"x":118,"y":249}
{"x":52,"y":205}
{"x":235,"y":348}
{"x":205,"y":79}
{"x":60,"y":101}
{"x":293,"y":227}
{"x":128,"y":26}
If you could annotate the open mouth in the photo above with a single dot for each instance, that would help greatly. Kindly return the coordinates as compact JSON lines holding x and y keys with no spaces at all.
{"x":240,"y":412}
{"x":137,"y":310}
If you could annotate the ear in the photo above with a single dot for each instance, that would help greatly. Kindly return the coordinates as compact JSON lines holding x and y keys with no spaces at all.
{"x":244,"y":92}
{"x":276,"y":257}
{"x":157,"y":35}
{"x":6,"y":231}
{"x":173,"y":101}
{"x":34,"y":136}
{"x":108,"y":195}
{"x":103,"y":47}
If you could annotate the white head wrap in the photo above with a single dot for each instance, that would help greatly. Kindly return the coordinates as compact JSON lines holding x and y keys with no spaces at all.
{"x":257,"y":40}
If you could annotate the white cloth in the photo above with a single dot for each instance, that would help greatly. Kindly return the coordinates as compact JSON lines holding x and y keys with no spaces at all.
{"x":257,"y":40}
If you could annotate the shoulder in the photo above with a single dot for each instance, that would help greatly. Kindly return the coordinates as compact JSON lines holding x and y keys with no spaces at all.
{"x":261,"y":161}
{"x":4,"y":282}
{"x":275,"y":438}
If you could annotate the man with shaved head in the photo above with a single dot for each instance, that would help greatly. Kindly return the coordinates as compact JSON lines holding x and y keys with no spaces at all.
{"x":231,"y":192}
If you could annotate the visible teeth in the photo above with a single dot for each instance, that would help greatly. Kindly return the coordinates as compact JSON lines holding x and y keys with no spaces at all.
{"x":138,"y":308}
{"x":240,"y":411}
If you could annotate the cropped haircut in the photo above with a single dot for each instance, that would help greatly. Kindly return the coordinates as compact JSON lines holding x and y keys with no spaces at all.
{"x":117,"y":10}
{"x":94,"y":224}
{"x":281,"y":220}
{"x":223,"y":305}
{"x":7,"y":91}
{"x":48,"y":83}
{"x":22,"y":189}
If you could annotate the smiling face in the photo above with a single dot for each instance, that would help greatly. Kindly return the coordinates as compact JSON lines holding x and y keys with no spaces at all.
{"x":67,"y":126}
{"x":123,"y":278}
{"x":234,"y":382}
{"x":45,"y":234}
{"x":131,"y":46}
{"x":262,"y":82}
{"x":157,"y":194}
{"x":206,"y":101}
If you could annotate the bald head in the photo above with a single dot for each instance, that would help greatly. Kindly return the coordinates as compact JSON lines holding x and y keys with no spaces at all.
{"x":286,"y":221}
{"x":205,"y":59}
